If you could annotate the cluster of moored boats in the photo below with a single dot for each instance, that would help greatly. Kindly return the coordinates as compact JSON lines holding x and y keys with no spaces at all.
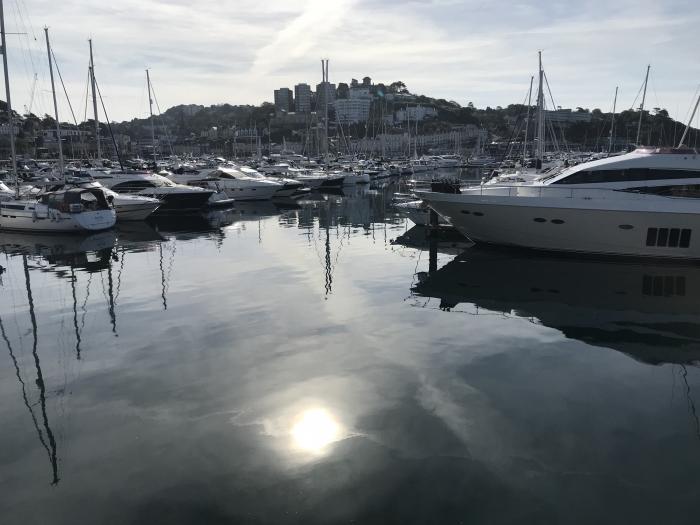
{"x":85,"y":197}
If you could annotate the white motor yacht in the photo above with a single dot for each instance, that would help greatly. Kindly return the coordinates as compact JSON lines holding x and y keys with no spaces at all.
{"x":422,"y":165}
{"x":230,"y":181}
{"x":132,"y":207}
{"x":71,"y":210}
{"x":318,"y":180}
{"x":644,"y":203}
{"x":352,"y":176}
{"x":290,"y":188}
{"x":174,"y":197}
{"x":481,"y":161}
{"x":449,"y":161}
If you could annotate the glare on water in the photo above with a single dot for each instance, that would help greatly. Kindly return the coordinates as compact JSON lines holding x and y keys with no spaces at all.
{"x":314,"y":430}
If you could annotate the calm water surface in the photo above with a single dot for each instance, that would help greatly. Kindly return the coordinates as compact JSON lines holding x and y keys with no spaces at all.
{"x":328,"y":364}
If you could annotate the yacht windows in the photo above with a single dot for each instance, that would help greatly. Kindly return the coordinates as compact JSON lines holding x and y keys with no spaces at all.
{"x":539,"y":219}
{"x":132,"y":186}
{"x":626,"y":175}
{"x":691,"y":191}
{"x":557,"y":221}
{"x":669,"y":237}
{"x":685,"y":238}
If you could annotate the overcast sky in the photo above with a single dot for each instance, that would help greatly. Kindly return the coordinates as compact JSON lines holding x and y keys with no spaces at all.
{"x":235,"y":51}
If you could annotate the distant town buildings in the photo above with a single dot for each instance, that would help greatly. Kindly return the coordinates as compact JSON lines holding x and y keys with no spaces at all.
{"x":302,"y":98}
{"x":284,"y":100}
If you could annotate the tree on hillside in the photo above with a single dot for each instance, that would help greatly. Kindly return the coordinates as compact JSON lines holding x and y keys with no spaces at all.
{"x":398,"y":88}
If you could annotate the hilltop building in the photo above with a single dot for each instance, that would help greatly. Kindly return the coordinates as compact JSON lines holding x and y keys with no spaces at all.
{"x":415,"y":113}
{"x":284,"y":100}
{"x":302,"y":98}
{"x":352,"y":110}
{"x":325,"y":93}
{"x":567,"y":116}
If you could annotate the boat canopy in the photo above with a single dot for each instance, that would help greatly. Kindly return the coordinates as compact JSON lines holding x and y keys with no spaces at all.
{"x":90,"y":199}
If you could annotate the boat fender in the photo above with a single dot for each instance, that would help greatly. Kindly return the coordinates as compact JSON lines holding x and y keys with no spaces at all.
{"x":34,"y":217}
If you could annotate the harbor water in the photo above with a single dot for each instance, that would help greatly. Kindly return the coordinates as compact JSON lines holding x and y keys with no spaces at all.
{"x":330,"y":363}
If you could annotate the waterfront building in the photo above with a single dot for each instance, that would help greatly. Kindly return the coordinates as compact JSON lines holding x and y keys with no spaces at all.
{"x":302,"y":98}
{"x":284,"y":100}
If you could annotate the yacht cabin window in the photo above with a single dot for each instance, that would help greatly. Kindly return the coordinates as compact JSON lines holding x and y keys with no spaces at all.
{"x":626,"y":175}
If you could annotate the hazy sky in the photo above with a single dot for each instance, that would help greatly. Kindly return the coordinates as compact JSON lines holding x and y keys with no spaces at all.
{"x":235,"y":51}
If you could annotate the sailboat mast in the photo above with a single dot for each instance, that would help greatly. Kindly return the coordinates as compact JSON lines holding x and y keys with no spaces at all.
{"x":326,"y":93}
{"x":690,"y":120}
{"x":527,"y":119}
{"x":540,"y":116}
{"x":641,"y":108}
{"x":415,"y":117}
{"x":150,"y":109}
{"x":94,"y":103}
{"x":408,"y":131}
{"x":612,"y":122}
{"x":61,"y":169}
{"x":10,"y":115}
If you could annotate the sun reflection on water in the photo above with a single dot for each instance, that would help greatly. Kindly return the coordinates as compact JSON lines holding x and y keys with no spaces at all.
{"x":314,"y":430}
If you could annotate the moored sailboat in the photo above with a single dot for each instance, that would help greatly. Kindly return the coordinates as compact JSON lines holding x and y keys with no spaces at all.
{"x":72,"y":210}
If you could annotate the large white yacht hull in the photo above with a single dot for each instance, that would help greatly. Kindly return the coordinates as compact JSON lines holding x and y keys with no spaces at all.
{"x":538,"y":223}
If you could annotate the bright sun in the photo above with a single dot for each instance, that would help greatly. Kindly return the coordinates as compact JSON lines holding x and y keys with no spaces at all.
{"x":314,"y":430}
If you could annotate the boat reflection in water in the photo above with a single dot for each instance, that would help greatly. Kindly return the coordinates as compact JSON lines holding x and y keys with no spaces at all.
{"x":645,"y":310}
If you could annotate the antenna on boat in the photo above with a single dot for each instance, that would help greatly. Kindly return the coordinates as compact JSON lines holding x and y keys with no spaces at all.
{"x":55,"y":107}
{"x":641,"y":108}
{"x":150,"y":109}
{"x":690,"y":120}
{"x":94,"y":103}
{"x":612,"y":122}
{"x":10,"y":115}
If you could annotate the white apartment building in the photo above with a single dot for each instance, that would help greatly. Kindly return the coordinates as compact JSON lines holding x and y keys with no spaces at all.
{"x":415,"y":113}
{"x":352,"y":110}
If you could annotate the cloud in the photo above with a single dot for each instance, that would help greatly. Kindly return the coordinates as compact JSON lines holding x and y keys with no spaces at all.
{"x":239,"y":52}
